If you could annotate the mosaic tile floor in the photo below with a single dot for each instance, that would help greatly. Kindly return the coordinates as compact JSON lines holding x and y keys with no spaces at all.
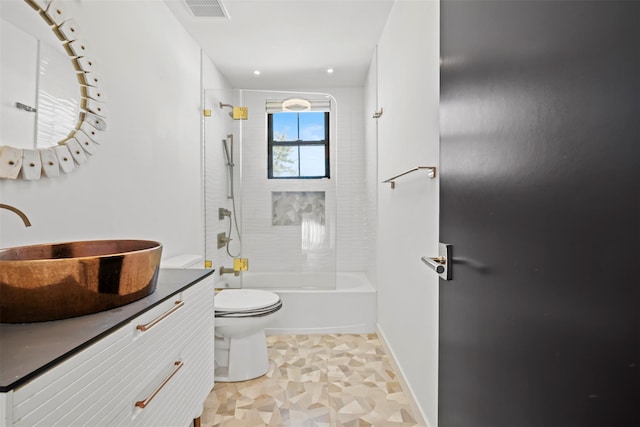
{"x":315,"y":380}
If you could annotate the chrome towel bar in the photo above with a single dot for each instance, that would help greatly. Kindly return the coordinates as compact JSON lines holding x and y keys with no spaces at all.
{"x":431,"y":173}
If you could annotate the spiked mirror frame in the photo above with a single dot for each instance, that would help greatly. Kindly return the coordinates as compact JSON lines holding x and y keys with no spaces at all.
{"x":87,"y":136}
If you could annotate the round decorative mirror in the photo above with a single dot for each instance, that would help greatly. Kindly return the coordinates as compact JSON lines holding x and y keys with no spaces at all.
{"x":69,"y":103}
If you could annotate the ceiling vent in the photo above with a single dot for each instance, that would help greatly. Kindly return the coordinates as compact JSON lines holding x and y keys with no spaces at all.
{"x":207,"y":8}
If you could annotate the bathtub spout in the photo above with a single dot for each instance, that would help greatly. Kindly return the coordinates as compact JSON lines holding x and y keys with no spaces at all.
{"x":225,"y":270}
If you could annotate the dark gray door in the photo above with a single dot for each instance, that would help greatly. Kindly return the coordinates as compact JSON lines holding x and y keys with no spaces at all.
{"x":540,"y":176}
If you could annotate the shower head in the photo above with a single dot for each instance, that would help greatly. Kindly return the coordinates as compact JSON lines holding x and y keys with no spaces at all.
{"x":237,"y":113}
{"x":228,"y":150}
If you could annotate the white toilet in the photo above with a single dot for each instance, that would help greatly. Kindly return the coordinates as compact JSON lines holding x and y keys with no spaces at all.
{"x":241,"y":346}
{"x":240,"y":319}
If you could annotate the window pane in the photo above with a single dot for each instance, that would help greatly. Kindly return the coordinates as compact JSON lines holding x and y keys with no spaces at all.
{"x":312,"y":126}
{"x":285,"y":161}
{"x":285,"y":126}
{"x":298,"y":143}
{"x":312,"y":162}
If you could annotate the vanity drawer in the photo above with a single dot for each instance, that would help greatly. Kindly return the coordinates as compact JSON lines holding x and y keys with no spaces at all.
{"x":160,"y":356}
{"x":187,"y":336}
{"x":101,"y":384}
{"x":187,"y":389}
{"x":72,"y":384}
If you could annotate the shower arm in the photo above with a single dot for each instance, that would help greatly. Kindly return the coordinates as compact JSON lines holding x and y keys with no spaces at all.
{"x":227,"y":105}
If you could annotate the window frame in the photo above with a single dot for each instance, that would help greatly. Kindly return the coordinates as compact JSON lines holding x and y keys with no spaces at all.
{"x":298,"y":143}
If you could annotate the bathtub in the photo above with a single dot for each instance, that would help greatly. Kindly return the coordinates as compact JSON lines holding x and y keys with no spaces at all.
{"x":309,"y":307}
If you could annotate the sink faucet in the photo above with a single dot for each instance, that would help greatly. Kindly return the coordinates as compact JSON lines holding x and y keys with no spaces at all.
{"x":17,"y":212}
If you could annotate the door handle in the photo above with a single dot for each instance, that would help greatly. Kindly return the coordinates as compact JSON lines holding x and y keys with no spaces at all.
{"x":436,"y":263}
{"x":442,"y":263}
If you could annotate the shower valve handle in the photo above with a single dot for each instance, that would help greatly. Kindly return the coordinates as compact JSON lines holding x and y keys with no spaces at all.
{"x":222,"y":212}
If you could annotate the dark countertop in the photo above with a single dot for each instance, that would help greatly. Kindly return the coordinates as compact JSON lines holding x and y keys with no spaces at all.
{"x":29,"y":349}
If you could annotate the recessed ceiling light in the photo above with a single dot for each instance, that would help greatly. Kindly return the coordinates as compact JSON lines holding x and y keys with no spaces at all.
{"x":256,"y":72}
{"x":329,"y":70}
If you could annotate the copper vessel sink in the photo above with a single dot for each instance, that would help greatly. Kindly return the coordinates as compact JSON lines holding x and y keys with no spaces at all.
{"x":61,"y":280}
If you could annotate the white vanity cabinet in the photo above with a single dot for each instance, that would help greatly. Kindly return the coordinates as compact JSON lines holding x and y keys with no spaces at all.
{"x":154,"y":370}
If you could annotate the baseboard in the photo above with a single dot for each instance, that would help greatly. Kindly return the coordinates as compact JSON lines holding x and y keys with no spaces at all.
{"x":360,"y":328}
{"x":415,"y":408}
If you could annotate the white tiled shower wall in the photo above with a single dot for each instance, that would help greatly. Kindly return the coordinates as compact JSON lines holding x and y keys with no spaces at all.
{"x":353,"y":215}
{"x":278,"y":248}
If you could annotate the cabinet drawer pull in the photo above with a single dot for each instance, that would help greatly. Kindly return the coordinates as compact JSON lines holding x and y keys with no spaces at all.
{"x":143,"y":403}
{"x":159,"y":318}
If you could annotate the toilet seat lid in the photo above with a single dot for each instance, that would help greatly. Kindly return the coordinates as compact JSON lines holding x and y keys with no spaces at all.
{"x":244,"y":299}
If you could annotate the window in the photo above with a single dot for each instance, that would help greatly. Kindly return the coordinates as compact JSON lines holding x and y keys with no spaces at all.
{"x":298,"y":145}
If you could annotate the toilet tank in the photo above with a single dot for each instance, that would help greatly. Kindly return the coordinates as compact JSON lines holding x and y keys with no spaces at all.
{"x":183,"y":261}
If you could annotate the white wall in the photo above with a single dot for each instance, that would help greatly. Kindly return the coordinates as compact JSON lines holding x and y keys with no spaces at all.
{"x":145,"y":181}
{"x":408,"y":90}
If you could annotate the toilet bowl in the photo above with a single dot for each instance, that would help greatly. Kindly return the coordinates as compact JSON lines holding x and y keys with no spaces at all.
{"x":241,"y":346}
{"x":240,"y":319}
